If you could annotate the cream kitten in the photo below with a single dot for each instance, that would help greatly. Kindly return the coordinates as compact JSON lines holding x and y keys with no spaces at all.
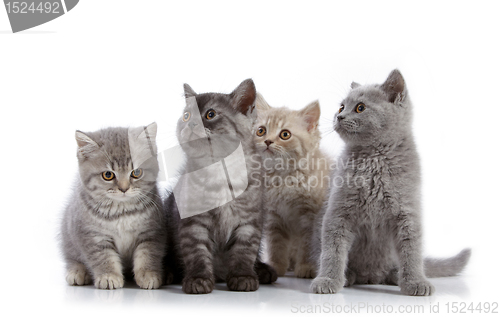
{"x":296,"y":181}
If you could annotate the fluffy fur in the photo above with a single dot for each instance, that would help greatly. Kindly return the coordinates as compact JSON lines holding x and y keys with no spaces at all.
{"x":371,"y":231}
{"x":296,"y":182}
{"x":223,"y":243}
{"x":114,"y":227}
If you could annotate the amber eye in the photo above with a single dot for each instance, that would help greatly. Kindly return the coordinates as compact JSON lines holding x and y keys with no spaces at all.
{"x":360,"y":107}
{"x":285,"y":134}
{"x":107,"y":176}
{"x":186,"y":116}
{"x":210,"y":114}
{"x":261,"y":131}
{"x":136,"y":173}
{"x":341,"y":108}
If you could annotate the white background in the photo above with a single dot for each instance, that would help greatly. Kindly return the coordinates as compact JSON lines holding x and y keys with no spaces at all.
{"x":114,"y":63}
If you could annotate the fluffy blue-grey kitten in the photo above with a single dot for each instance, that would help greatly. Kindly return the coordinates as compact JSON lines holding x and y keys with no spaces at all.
{"x":114,"y":224}
{"x":371,"y":229}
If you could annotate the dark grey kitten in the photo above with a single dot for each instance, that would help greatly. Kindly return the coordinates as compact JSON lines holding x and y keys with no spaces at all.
{"x":372,"y":232}
{"x":219,"y":196}
{"x":114,"y":222}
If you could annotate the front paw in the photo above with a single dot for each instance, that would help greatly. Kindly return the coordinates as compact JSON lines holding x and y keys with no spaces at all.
{"x":326,"y":285}
{"x":78,"y":277}
{"x":417,"y":288}
{"x":243,"y":283}
{"x":148,"y":279}
{"x":197,"y":285}
{"x":305,"y":270}
{"x":280,"y":268}
{"x":109,"y":281}
{"x":266,"y":273}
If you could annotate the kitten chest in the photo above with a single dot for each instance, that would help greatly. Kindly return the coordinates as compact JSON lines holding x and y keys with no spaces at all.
{"x":375,"y":180}
{"x":126,"y":231}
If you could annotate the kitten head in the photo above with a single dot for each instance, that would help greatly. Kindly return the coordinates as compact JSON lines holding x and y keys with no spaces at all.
{"x":375,"y":113}
{"x":285,"y":133}
{"x":213,"y":123}
{"x":118,"y":164}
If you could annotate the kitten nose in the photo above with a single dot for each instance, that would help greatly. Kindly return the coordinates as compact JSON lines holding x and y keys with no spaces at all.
{"x":267,"y":142}
{"x":340,"y":118}
{"x":192,"y":124}
{"x":123,"y":189}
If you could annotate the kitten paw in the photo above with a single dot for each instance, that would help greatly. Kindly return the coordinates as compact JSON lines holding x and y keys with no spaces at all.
{"x":109,"y":281}
{"x":326,"y":285}
{"x":267,"y":274}
{"x":197,"y":285}
{"x":78,"y":276}
{"x":305,"y":270}
{"x":148,"y":279}
{"x":243,"y":283}
{"x":350,"y":278}
{"x":279,"y":268}
{"x":169,"y":278}
{"x":418,"y":288}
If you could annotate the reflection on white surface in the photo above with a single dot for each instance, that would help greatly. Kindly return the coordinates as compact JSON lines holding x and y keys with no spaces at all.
{"x":287,"y":296}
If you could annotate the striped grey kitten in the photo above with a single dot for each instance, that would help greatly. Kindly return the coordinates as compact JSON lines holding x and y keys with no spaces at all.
{"x":372,"y":231}
{"x":114,"y":224}
{"x":222,"y":243}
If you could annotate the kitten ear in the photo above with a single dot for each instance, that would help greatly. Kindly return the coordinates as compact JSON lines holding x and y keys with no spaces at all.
{"x":142,"y":144}
{"x":261,"y":104}
{"x":144,"y":135}
{"x":243,"y":97}
{"x":84,"y":140}
{"x":311,"y":115}
{"x":355,"y":85}
{"x":395,"y":87}
{"x":188,"y":91}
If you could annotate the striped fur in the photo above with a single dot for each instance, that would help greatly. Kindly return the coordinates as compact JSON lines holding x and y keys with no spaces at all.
{"x":107,"y":233}
{"x":223,"y":243}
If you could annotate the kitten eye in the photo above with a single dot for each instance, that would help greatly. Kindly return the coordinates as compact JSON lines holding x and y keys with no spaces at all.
{"x":360,"y":107}
{"x":341,"y":108}
{"x":261,"y":131}
{"x":210,"y":114}
{"x":136,"y":173}
{"x":186,"y":116}
{"x":107,"y":176}
{"x":285,"y":134}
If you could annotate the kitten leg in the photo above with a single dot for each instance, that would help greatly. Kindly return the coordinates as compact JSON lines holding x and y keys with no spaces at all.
{"x":77,"y":274}
{"x":242,"y":253}
{"x":104,"y":262}
{"x":148,"y":261}
{"x":305,"y":267}
{"x":278,"y":244}
{"x":196,"y":249}
{"x":336,"y":237}
{"x":408,"y":235}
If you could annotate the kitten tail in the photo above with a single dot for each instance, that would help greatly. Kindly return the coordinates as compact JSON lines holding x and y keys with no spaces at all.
{"x":447,"y":267}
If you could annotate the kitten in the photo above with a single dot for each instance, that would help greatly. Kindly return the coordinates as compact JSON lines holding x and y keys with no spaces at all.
{"x":372,"y":231}
{"x":114,"y":222}
{"x":296,"y":182}
{"x":221,"y":214}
